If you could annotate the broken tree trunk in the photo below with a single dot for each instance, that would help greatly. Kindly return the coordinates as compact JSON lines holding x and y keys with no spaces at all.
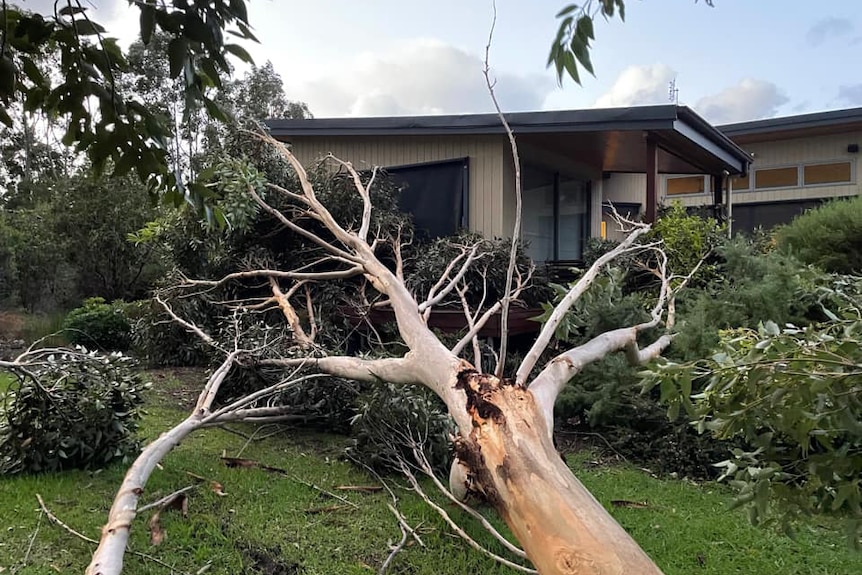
{"x":512,"y":460}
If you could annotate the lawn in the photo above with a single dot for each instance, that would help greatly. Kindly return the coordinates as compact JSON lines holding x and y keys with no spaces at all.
{"x":278,"y":524}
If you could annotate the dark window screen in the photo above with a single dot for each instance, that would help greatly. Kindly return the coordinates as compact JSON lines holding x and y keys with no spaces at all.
{"x":435,"y":194}
{"x":748,"y":217}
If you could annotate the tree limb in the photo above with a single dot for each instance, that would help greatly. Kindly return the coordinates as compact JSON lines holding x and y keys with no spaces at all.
{"x":549,"y":329}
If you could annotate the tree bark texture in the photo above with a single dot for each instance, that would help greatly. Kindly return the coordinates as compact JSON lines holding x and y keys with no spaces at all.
{"x":512,"y":460}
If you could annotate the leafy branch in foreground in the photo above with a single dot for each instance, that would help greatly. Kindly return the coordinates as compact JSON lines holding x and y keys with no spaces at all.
{"x":571,"y":45}
{"x":83,"y":89}
{"x":794,"y":395}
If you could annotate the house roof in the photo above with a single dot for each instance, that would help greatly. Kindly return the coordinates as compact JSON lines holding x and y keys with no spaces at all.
{"x":820,"y":123}
{"x":679,"y":130}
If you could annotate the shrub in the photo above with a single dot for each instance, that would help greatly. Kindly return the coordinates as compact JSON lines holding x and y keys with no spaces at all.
{"x":389,"y":417}
{"x":161,"y":342}
{"x":829,"y":237}
{"x":81,"y":411}
{"x":99,"y":324}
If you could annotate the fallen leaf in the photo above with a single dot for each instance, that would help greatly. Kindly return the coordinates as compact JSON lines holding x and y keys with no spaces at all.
{"x":251,"y":464}
{"x":179,"y":502}
{"x":157,"y":534}
{"x":361,"y":488}
{"x":630,"y":504}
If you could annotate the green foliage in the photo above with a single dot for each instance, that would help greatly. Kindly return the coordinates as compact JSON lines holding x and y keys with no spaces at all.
{"x":829,"y":237}
{"x":687,"y":240}
{"x":794,"y":394}
{"x":78,"y":410}
{"x":161,"y":342}
{"x":390,"y":418}
{"x":70,"y":242}
{"x":571,"y":45}
{"x":121,"y":129}
{"x":98,"y":324}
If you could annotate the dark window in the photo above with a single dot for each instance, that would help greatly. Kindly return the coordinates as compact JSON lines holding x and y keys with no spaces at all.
{"x":435,"y":194}
{"x":555,"y":217}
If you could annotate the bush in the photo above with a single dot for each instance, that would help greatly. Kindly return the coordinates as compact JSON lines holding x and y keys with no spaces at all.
{"x":161,"y":342}
{"x":829,"y":237}
{"x":99,"y":324}
{"x":81,"y":413}
{"x":388,"y":417}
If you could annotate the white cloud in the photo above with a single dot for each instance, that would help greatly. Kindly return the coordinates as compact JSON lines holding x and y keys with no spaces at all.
{"x":827,"y":28}
{"x":639,"y":86}
{"x":423,"y":76}
{"x":750,"y":99}
{"x":851,"y":94}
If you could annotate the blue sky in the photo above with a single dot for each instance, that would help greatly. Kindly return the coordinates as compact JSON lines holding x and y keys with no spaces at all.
{"x":741,"y":60}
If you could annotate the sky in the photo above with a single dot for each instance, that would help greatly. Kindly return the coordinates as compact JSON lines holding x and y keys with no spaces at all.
{"x":740,"y":60}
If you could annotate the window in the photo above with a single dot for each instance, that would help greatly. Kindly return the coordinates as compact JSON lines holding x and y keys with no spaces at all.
{"x":776,"y":178}
{"x":436,"y":194}
{"x":741,"y":183}
{"x":686,"y":185}
{"x":836,"y":173}
{"x":555,"y":219}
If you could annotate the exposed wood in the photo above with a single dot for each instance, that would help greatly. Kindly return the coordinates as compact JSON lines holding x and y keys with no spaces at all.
{"x":560,"y":525}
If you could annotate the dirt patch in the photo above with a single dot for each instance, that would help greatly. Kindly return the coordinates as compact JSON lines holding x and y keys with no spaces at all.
{"x":268,"y":561}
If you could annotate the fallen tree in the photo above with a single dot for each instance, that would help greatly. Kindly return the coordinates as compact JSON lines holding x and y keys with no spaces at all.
{"x":504,"y":445}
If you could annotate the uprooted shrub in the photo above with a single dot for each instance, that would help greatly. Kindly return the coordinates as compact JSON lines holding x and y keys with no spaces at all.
{"x":70,"y":409}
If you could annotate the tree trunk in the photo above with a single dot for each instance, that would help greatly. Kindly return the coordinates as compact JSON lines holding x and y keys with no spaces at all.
{"x":512,"y":460}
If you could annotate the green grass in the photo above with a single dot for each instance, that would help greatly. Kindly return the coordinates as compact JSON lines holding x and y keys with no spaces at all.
{"x":271,"y":523}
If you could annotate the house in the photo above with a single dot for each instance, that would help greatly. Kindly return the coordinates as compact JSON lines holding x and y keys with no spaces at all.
{"x":798,"y":163}
{"x":458,"y":170}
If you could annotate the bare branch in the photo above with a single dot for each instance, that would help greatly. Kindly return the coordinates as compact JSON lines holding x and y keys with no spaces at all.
{"x":553,"y":378}
{"x":390,"y":369}
{"x":364,"y":193}
{"x":471,"y":322}
{"x":434,"y":296}
{"x":425,"y":466}
{"x":189,"y":326}
{"x":108,"y":558}
{"x":457,"y":528}
{"x":290,"y":315}
{"x":490,"y":312}
{"x":516,"y":231}
{"x":353,"y":271}
{"x":626,"y":246}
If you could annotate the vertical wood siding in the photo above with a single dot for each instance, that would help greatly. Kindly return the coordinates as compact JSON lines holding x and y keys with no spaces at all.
{"x":625,"y":189}
{"x":486,"y":164}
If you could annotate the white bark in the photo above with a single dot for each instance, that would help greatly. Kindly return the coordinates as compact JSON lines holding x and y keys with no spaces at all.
{"x":628,"y":245}
{"x":108,"y":558}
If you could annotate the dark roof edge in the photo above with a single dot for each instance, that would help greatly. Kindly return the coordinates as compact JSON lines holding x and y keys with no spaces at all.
{"x":801,"y":121}
{"x":523,"y":122}
{"x":714,"y":134}
{"x":659,"y":117}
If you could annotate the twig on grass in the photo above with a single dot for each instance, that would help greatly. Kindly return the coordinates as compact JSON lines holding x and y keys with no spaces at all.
{"x":33,"y":538}
{"x":56,"y":520}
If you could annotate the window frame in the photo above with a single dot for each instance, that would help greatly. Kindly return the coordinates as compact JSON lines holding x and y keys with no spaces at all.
{"x":706,"y":185}
{"x":849,"y":182}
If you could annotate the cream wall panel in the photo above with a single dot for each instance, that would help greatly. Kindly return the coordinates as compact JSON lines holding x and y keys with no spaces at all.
{"x":813,"y":150}
{"x":486,"y":164}
{"x":625,"y":189}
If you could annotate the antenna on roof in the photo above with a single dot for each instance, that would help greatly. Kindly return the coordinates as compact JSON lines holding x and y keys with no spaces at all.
{"x":673,"y":92}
